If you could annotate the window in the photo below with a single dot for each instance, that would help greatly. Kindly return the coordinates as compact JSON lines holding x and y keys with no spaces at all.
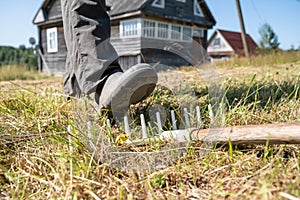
{"x":168,"y":31}
{"x":176,"y":32}
{"x":52,"y":43}
{"x":159,"y":3}
{"x":130,"y":28}
{"x":181,"y":1}
{"x":187,"y":33}
{"x":149,"y":29}
{"x":217,"y":42}
{"x":197,"y":9}
{"x":198,"y":32}
{"x":162,"y":30}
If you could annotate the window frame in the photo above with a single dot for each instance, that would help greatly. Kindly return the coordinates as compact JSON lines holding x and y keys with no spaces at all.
{"x":188,"y":37}
{"x":161,"y":5}
{"x":217,"y":43}
{"x":198,"y":30}
{"x":161,"y":32}
{"x":197,"y":8}
{"x":130,"y":28}
{"x":52,"y":40}
{"x":172,"y":31}
{"x":145,"y":29}
{"x":175,"y":32}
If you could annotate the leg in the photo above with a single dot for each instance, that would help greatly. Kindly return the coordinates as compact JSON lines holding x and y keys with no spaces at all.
{"x":91,"y":66}
{"x":90,"y":53}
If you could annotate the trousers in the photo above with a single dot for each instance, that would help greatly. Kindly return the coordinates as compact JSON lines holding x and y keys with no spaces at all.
{"x":91,"y":58}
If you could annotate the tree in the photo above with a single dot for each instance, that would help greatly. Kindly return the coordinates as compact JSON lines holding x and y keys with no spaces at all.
{"x":269,"y":39}
{"x":18,"y":56}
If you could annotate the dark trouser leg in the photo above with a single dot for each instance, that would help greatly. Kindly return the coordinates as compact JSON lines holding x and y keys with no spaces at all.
{"x":90,"y":53}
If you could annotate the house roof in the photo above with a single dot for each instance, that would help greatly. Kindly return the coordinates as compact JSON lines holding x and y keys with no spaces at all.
{"x":234,"y":39}
{"x":126,"y":8}
{"x":119,"y":7}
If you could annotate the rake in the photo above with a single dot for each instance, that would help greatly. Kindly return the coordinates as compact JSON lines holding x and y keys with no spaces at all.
{"x":179,"y":140}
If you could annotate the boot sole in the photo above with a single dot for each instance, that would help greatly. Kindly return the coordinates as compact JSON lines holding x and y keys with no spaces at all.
{"x":136,"y":84}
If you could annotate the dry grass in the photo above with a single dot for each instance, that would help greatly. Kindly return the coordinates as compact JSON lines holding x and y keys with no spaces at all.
{"x":13,"y":72}
{"x":37,"y":161}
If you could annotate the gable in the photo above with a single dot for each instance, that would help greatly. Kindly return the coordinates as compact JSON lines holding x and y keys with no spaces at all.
{"x":236,"y":42}
{"x":39,"y":17}
{"x":217,"y":43}
{"x":230,"y":41}
{"x":182,"y":10}
{"x":50,"y":10}
{"x":54,"y":10}
{"x":191,"y":11}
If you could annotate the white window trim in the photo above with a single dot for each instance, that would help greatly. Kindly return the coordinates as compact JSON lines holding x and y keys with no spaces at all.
{"x":181,"y":1}
{"x":197,"y":7}
{"x":190,"y":37}
{"x":200,"y":30}
{"x":139,"y":28}
{"x":155,"y":29}
{"x":140,"y":31}
{"x":171,"y":30}
{"x":52,"y":40}
{"x":162,"y":5}
{"x":168,"y":30}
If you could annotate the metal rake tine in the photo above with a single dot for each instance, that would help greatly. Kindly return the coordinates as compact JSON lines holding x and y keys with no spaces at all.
{"x":126,"y":124}
{"x":173,"y":120}
{"x":186,"y":118}
{"x":199,"y":121}
{"x":159,"y":123}
{"x":211,"y":114}
{"x":144,"y":127}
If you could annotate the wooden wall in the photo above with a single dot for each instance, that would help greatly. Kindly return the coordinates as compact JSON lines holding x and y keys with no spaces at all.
{"x":54,"y":10}
{"x":128,"y":61}
{"x":54,"y":61}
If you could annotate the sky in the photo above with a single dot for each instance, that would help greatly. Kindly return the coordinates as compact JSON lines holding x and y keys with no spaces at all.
{"x":283,"y":15}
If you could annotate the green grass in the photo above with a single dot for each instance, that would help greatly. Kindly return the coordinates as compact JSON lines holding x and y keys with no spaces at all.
{"x":40,"y":160}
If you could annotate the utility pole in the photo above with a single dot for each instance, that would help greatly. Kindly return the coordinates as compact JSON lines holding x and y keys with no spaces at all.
{"x":244,"y":38}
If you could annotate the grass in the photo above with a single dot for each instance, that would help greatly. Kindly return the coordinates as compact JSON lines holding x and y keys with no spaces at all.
{"x":13,"y":72}
{"x":272,"y":59}
{"x":39,"y":159}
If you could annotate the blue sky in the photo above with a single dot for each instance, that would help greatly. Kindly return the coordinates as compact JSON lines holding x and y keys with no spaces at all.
{"x":283,"y":16}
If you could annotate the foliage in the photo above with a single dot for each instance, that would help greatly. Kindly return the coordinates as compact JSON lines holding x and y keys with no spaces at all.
{"x":18,"y":56}
{"x":269,"y":39}
{"x":40,"y":160}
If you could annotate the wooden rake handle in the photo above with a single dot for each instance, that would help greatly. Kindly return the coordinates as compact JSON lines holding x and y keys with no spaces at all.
{"x":253,"y":134}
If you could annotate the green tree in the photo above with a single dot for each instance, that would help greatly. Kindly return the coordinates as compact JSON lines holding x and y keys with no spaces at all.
{"x":18,"y":56}
{"x":269,"y":39}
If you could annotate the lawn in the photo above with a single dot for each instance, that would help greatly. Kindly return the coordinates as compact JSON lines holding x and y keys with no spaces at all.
{"x":40,"y":159}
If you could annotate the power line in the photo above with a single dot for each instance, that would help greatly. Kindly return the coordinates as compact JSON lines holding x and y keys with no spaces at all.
{"x":258,"y":13}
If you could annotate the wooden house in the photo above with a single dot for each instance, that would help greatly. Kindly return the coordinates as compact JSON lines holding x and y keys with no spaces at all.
{"x":224,"y":44}
{"x":140,"y":30}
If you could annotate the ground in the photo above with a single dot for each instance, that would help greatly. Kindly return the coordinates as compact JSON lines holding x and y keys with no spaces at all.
{"x":39,"y":159}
